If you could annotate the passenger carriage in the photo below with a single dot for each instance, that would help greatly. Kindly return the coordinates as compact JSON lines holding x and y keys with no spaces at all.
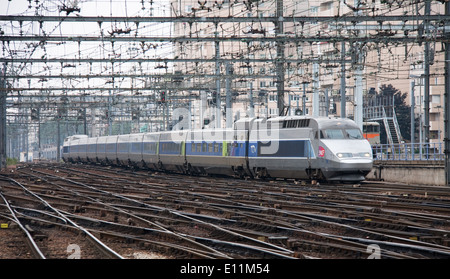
{"x":299,"y":147}
{"x":91,"y":150}
{"x":111,"y":150}
{"x":135,"y":150}
{"x":218,"y":151}
{"x":171,"y":151}
{"x":101,"y":150}
{"x":281,"y":147}
{"x":150,"y":148}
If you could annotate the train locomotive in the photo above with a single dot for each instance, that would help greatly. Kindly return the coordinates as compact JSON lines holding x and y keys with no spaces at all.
{"x":297,"y":147}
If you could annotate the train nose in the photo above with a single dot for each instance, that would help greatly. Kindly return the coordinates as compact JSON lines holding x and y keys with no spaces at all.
{"x":350,"y":155}
{"x":350,"y":170}
{"x":356,"y":164}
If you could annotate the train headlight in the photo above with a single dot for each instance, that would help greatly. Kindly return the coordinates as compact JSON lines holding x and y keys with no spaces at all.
{"x":344,"y":155}
{"x":364,"y":154}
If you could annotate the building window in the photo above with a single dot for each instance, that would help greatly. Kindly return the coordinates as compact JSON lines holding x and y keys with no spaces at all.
{"x":434,"y":134}
{"x":436,"y":99}
{"x":273,"y":111}
{"x":272,"y":98}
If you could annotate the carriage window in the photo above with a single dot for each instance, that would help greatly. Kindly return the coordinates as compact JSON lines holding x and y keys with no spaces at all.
{"x":333,"y":134}
{"x":354,"y":133}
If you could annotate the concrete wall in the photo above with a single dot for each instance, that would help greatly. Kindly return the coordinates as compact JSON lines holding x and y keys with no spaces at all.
{"x":409,"y":172}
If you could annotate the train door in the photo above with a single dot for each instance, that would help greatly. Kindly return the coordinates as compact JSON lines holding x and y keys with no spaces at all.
{"x":312,"y":135}
{"x":313,"y":171}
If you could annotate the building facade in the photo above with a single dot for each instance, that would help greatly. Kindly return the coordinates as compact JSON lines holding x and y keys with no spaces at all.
{"x":244,"y":72}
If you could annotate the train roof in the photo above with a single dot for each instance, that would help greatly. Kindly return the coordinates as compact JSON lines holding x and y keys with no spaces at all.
{"x":75,"y":137}
{"x":297,"y":122}
{"x":327,"y":123}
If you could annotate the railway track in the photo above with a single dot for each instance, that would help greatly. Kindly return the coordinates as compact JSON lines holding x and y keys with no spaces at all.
{"x":48,"y":231}
{"x":136,"y":212}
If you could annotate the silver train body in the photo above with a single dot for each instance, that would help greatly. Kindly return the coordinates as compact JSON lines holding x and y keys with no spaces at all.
{"x":298,"y":147}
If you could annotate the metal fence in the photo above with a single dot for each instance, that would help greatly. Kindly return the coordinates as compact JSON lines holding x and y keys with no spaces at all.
{"x":408,"y":151}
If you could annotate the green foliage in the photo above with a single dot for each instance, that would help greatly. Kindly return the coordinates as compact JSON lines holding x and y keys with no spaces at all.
{"x":403,"y":111}
{"x":11,"y":161}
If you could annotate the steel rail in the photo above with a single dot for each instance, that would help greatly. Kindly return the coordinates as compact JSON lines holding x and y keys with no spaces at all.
{"x":336,"y":204}
{"x":115,"y":234}
{"x":127,"y":212}
{"x":241,"y":206}
{"x":412,"y":243}
{"x":256,"y":249}
{"x":100,"y":245}
{"x":182,"y":215}
{"x":206,"y":253}
{"x":401,"y":246}
{"x":328,"y":196}
{"x":30,"y":241}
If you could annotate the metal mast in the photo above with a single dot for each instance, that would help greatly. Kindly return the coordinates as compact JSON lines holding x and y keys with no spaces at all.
{"x":280,"y":57}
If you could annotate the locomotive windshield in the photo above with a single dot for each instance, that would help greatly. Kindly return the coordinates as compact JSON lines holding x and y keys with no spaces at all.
{"x":341,"y":134}
{"x":354,"y":133}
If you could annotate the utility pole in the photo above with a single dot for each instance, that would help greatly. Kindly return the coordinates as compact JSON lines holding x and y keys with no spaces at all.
{"x":343,"y":100}
{"x":58,"y":140}
{"x":280,"y":56}
{"x":315,"y":100}
{"x":447,"y":103}
{"x":251,"y":103}
{"x":228,"y":109}
{"x":85,"y":122}
{"x":427,"y":74}
{"x":413,"y":104}
{"x":359,"y":60}
{"x":250,"y":97}
{"x":218,"y":105}
{"x":202,"y":115}
{"x":358,"y":94}
{"x":3,"y":118}
{"x":304,"y":99}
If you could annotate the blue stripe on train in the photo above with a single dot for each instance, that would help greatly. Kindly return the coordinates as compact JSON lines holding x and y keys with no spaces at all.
{"x":284,"y":148}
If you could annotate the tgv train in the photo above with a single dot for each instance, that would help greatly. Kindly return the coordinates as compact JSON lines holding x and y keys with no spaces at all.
{"x":298,"y":147}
